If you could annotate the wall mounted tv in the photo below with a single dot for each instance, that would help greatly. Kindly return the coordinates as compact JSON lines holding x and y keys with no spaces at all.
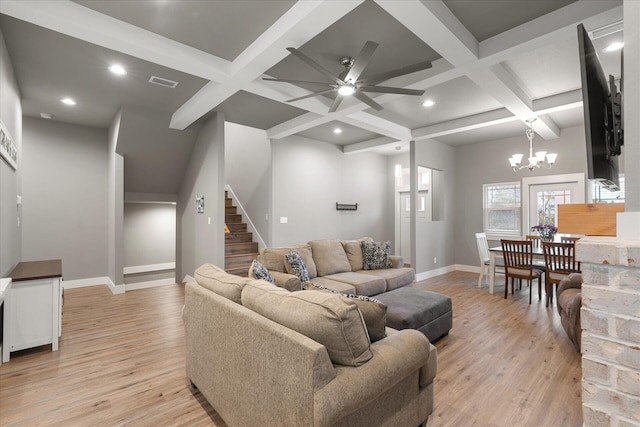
{"x":603,"y":116}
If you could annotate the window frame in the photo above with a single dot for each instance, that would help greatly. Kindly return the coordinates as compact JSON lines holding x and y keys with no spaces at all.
{"x":493,"y":234}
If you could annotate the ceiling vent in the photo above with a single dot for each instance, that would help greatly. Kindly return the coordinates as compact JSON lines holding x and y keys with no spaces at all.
{"x":163,"y":82}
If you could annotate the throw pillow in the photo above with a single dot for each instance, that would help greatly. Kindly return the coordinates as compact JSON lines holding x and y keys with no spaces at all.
{"x":294,"y":261}
{"x":373,"y":311}
{"x":259,"y":271}
{"x":376,"y":255}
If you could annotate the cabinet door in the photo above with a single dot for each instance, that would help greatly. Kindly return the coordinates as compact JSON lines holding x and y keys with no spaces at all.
{"x":32,"y":311}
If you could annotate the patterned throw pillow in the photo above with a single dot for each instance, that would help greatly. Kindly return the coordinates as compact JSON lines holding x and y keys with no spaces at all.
{"x":259,"y":271}
{"x":376,"y":255}
{"x":374,"y":312}
{"x":298,"y":266}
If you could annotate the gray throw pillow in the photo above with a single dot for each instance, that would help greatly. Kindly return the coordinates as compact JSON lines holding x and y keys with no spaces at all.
{"x":259,"y":271}
{"x":297,"y":265}
{"x":373,"y":311}
{"x":376,"y":255}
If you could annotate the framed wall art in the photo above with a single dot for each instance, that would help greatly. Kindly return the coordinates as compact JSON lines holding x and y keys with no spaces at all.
{"x":8,"y":149}
{"x":200,"y":203}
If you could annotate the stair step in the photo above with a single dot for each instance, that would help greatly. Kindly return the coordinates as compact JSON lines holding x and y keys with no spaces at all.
{"x":239,"y":271}
{"x":228,"y":202}
{"x":230,"y":210}
{"x":237,"y":261}
{"x":238,"y":237}
{"x":232,"y":218}
{"x":237,"y":227}
{"x":241,"y":248}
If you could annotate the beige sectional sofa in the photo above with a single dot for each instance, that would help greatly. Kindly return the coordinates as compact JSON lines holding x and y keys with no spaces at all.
{"x":262,"y":355}
{"x":338,"y":265}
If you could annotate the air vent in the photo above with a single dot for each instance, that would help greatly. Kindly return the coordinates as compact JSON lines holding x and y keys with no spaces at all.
{"x":163,"y":82}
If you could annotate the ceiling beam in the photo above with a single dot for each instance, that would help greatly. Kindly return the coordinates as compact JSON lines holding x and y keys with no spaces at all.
{"x":303,"y":21}
{"x":360,"y":147}
{"x":463,"y":124}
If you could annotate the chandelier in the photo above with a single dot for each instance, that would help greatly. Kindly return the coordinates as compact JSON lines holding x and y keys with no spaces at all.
{"x":535,"y":161}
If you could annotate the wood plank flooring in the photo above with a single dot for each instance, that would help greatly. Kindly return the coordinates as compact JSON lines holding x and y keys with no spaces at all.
{"x":121,"y":362}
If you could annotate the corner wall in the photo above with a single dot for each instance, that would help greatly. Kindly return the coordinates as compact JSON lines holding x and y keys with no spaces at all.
{"x":200,"y":237}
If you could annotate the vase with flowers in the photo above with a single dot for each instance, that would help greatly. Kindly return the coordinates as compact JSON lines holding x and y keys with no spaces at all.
{"x":547,"y":232}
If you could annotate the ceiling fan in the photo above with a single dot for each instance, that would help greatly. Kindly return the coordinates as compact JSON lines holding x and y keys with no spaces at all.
{"x":347,"y":83}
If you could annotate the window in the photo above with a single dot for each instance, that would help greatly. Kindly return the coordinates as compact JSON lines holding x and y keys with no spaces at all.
{"x":600,"y":194}
{"x":502,"y":209}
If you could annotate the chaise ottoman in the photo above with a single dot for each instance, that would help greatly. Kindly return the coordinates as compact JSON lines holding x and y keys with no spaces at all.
{"x":410,"y":308}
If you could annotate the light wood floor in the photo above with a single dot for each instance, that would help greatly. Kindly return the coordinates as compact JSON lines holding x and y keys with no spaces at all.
{"x":121,"y":362}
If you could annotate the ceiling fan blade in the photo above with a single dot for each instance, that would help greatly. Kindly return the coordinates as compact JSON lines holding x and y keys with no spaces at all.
{"x":387,"y":89}
{"x":371,"y":80}
{"x":361,"y":61}
{"x":313,"y":63}
{"x":322,"y":92}
{"x":336,"y":103}
{"x":271,"y":79}
{"x":367,"y":100}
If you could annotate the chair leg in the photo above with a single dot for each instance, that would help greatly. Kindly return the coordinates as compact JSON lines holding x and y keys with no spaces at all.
{"x":481,"y":274}
{"x":530,"y":289}
{"x":540,"y":287}
{"x":506,"y":286}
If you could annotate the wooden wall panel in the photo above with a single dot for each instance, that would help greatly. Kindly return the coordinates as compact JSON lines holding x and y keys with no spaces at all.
{"x":591,"y":219}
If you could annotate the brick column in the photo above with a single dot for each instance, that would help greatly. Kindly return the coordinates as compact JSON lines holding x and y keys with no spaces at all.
{"x":610,"y":320}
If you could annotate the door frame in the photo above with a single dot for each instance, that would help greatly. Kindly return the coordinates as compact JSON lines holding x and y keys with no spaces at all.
{"x":580,"y":197}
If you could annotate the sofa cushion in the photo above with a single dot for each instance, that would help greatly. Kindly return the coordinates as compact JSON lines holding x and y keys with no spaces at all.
{"x":395,"y":277}
{"x":365,"y":284}
{"x":273,"y":258}
{"x":373,"y":311}
{"x":342,"y":287}
{"x":259,"y":271}
{"x":329,"y":256}
{"x":353,"y":249}
{"x":376,"y":255}
{"x":295,"y":265}
{"x":326,"y":318}
{"x":222,"y":283}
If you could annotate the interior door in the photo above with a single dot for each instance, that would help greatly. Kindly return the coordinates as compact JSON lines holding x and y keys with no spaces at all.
{"x":405,"y":225}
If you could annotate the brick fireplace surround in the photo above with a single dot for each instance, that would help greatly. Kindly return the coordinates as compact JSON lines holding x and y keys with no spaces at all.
{"x":610,"y":320}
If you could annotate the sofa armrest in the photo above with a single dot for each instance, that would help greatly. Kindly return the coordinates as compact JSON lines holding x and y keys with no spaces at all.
{"x":396,"y":357}
{"x":288,"y":281}
{"x":397,"y":261}
{"x":573,"y":280}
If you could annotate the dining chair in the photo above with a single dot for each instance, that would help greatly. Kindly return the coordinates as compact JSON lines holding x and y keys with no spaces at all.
{"x":483,"y":253}
{"x":535,"y":239}
{"x":537,"y":243}
{"x":560,"y":261}
{"x":567,"y":239}
{"x":518,"y":261}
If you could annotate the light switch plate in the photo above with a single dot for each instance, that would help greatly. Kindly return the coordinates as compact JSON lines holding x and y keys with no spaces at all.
{"x":284,"y":220}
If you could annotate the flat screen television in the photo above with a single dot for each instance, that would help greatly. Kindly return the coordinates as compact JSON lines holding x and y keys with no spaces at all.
{"x":602,"y":104}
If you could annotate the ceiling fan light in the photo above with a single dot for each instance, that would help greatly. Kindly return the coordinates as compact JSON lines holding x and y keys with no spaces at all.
{"x":346,"y":90}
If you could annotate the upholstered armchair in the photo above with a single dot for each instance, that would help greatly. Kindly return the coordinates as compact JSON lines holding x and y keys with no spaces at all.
{"x":569,"y":304}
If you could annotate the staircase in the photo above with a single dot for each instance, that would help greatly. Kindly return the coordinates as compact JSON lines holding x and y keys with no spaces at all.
{"x":239,"y":248}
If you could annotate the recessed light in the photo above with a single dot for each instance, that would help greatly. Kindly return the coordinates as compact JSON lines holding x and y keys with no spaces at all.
{"x":428,"y":103}
{"x":117,"y":69}
{"x":68,"y":101}
{"x":46,"y":116}
{"x":337,"y":130}
{"x":613,"y":47}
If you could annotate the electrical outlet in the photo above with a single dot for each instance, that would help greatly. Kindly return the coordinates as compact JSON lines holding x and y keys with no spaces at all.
{"x":435,"y":260}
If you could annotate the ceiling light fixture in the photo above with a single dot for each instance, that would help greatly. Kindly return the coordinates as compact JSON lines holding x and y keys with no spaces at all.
{"x":428,"y":103}
{"x":535,"y":161}
{"x":346,"y":89}
{"x":118,"y":69}
{"x":337,"y":130}
{"x":68,"y":101}
{"x":613,"y":47}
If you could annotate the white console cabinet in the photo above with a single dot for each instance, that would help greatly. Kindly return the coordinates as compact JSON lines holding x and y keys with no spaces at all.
{"x":33,"y":307}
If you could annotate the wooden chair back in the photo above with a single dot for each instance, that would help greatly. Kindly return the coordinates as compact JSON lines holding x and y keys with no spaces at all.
{"x":518,"y":263}
{"x":535,"y":239}
{"x":560,"y":258}
{"x":566,"y":239}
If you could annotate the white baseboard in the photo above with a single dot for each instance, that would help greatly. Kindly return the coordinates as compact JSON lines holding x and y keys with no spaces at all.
{"x":149,"y":268}
{"x":150,"y":284}
{"x":93,"y":281}
{"x":433,"y":273}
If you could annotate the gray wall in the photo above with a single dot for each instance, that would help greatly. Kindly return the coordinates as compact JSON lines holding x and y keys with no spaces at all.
{"x":433,"y":238}
{"x":65,"y":196}
{"x":198,"y":242}
{"x":310,"y":176}
{"x":247,"y":165}
{"x":486,"y":162}
{"x":149,"y":234}
{"x":10,"y":180}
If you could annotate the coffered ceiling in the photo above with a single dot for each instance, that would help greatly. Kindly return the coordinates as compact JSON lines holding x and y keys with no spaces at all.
{"x":495,"y":63}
